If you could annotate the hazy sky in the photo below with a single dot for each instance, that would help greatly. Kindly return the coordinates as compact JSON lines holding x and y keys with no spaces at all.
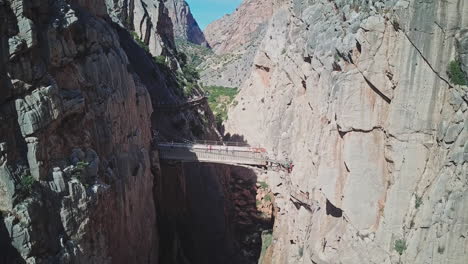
{"x":206,"y":11}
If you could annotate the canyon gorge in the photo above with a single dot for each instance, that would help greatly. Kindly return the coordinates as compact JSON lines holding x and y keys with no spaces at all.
{"x":365,"y":101}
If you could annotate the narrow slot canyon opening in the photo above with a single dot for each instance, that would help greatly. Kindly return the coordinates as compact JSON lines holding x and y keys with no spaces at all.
{"x":211,"y":213}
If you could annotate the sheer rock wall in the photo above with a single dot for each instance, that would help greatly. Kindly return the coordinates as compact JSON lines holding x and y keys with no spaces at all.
{"x":235,"y":39}
{"x":185,"y":26}
{"x":75,"y":119}
{"x":356,"y":94}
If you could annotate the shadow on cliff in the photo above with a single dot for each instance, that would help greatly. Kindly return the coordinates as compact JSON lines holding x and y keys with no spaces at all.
{"x":192,"y":215}
{"x":207,"y":213}
{"x":233,"y":137}
{"x":147,"y":70}
{"x":8,"y":254}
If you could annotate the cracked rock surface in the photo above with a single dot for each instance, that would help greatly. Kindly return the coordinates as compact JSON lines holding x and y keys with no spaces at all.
{"x":357,"y":96}
{"x":74,"y":119}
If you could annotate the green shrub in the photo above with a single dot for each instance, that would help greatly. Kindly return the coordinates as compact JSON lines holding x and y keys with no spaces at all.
{"x":160,"y":60}
{"x":191,"y":73}
{"x":81,"y":165}
{"x":193,"y":54}
{"x":139,"y":41}
{"x":418,"y":202}
{"x":79,"y":169}
{"x":440,"y":249}
{"x":219,"y":119}
{"x":267,"y":198}
{"x":186,"y":82}
{"x":456,"y":75}
{"x":263,"y":185}
{"x":189,"y":88}
{"x":400,"y":246}
{"x":267,"y":239}
{"x":25,"y":186}
{"x":219,"y":99}
{"x":258,"y":202}
{"x":182,"y":58}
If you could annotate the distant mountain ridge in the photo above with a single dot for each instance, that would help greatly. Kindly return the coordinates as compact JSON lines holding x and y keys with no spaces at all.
{"x":235,"y":39}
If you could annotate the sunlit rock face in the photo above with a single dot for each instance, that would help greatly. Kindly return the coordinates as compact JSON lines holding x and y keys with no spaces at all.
{"x":242,"y":26}
{"x":148,"y":20}
{"x":357,"y":95}
{"x":235,"y":39}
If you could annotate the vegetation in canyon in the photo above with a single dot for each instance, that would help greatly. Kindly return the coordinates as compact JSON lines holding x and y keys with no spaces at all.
{"x":456,"y":74}
{"x":267,"y":239}
{"x":196,"y":54}
{"x":219,"y":99}
{"x":400,"y":246}
{"x":25,"y":186}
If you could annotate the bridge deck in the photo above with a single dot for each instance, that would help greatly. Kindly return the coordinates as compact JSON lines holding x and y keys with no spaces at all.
{"x":213,"y":154}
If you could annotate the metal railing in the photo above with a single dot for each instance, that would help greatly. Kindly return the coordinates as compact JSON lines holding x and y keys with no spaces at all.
{"x":212,"y":153}
{"x":221,"y":143}
{"x":218,"y":152}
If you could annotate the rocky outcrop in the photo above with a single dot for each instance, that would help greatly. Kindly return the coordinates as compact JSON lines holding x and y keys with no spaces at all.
{"x":75,"y":138}
{"x":358,"y":97}
{"x":239,"y":28}
{"x":149,"y":20}
{"x":235,"y":39}
{"x":185,"y":26}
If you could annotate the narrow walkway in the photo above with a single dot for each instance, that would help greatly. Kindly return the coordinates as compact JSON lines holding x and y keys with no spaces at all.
{"x":231,"y":153}
{"x":167,"y":107}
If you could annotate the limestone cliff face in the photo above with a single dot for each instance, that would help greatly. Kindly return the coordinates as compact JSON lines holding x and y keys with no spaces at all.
{"x":75,"y":176}
{"x":185,"y":26}
{"x":239,"y":28}
{"x":235,"y":39}
{"x":149,"y":20}
{"x":358,"y":97}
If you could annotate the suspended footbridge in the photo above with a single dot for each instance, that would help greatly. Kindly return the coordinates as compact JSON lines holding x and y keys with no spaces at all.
{"x":231,"y":153}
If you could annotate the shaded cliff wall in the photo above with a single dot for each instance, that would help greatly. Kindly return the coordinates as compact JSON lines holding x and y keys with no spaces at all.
{"x":193,"y":201}
{"x":185,"y":26}
{"x":75,"y":136}
{"x":356,"y":94}
{"x":196,"y":214}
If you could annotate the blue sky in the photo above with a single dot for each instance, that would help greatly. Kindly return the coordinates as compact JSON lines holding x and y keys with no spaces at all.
{"x":206,"y":11}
